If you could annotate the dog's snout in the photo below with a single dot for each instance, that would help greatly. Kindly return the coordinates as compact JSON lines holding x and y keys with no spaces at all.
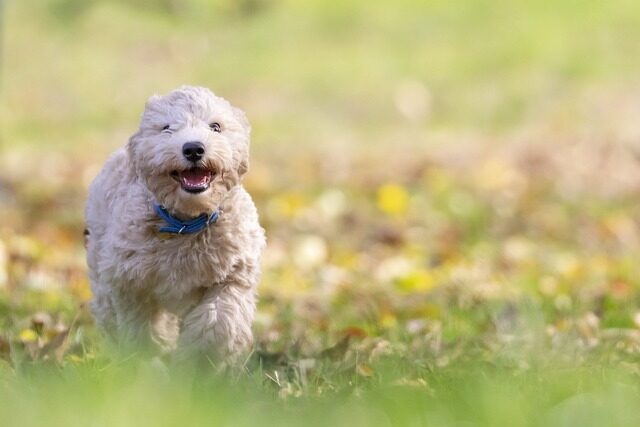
{"x":193,"y":151}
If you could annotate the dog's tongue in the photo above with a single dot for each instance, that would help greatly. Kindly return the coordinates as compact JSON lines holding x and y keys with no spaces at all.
{"x":195,"y":177}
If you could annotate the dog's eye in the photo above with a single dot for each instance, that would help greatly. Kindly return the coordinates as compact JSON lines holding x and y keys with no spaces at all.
{"x":215,"y":126}
{"x":166,"y":128}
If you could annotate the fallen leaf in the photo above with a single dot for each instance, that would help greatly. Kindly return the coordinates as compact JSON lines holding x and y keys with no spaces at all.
{"x":364,"y":370}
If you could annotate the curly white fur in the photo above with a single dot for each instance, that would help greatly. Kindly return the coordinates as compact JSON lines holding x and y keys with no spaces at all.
{"x":196,"y":291}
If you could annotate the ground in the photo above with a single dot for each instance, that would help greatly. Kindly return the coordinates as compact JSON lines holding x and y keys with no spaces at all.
{"x":450,"y":193}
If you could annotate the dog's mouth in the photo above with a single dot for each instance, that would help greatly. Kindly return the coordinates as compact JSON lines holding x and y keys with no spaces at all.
{"x":194,"y":180}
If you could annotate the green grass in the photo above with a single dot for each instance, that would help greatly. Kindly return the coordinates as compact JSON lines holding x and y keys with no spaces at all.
{"x":449,"y":191}
{"x":484,"y":394}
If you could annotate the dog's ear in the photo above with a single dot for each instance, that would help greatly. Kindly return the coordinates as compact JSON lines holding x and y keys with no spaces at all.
{"x":241,"y":117}
{"x":243,"y":164}
{"x":150,"y":107}
{"x":131,"y":151}
{"x":243,"y":167}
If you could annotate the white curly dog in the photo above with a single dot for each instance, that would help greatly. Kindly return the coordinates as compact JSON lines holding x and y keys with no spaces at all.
{"x":173,"y":238}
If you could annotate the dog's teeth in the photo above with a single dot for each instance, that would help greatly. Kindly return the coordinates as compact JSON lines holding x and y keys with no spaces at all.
{"x":196,"y":179}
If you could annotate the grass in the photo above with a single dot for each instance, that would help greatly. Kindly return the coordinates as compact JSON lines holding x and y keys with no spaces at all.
{"x":470,"y":394}
{"x":449,"y":192}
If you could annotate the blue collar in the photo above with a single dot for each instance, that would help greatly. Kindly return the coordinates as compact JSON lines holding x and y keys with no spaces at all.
{"x":185,"y":227}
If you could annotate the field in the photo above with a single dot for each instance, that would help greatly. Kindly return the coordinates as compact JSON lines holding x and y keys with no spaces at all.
{"x":450,"y":192}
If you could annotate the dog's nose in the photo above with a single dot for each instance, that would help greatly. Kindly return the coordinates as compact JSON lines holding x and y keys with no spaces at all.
{"x":193,"y":151}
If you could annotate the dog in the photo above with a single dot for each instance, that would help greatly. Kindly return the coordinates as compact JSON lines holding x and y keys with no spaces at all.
{"x":173,"y":239}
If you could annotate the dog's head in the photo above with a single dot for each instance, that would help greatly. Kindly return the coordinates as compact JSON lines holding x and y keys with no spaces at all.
{"x":191,"y":149}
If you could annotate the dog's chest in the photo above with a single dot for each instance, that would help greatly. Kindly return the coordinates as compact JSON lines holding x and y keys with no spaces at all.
{"x":187,"y":264}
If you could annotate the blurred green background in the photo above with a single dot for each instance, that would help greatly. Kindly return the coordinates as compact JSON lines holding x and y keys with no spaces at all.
{"x":79,"y":70}
{"x":449,"y":189}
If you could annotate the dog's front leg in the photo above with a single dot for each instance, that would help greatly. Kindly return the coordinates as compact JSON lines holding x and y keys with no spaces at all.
{"x":219,"y":326}
{"x":134,"y":313}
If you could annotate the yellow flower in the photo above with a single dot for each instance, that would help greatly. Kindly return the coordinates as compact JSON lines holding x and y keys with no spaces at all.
{"x":393,"y":199}
{"x":416,"y":281}
{"x":388,"y":320}
{"x":287,"y":205}
{"x":28,"y":335}
{"x":74,"y":358}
